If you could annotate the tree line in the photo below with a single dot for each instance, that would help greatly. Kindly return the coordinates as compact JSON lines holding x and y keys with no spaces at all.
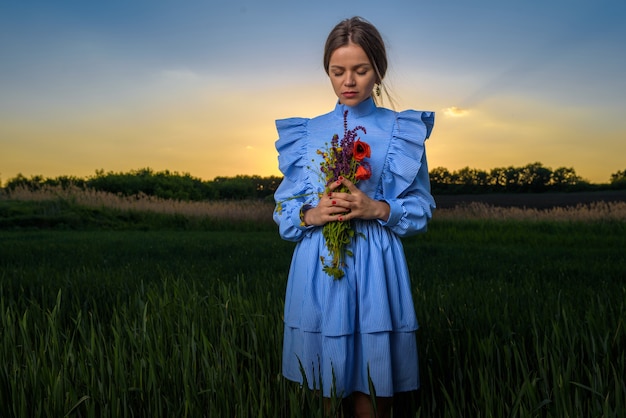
{"x":531,"y":178}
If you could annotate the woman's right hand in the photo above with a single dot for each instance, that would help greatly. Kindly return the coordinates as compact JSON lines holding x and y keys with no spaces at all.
{"x":329,"y":209}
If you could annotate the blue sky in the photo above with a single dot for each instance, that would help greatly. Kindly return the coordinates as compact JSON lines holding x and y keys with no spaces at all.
{"x":195,"y":86}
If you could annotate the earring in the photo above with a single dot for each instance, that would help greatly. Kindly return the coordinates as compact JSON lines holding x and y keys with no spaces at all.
{"x":377,"y":90}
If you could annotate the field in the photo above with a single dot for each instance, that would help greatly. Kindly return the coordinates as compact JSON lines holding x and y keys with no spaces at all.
{"x":112,"y":310}
{"x":541,"y":201}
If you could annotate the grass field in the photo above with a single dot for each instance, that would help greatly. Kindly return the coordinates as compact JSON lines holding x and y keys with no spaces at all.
{"x":179,"y":317}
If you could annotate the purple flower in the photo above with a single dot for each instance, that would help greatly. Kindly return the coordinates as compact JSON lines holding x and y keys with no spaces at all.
{"x":339,"y":161}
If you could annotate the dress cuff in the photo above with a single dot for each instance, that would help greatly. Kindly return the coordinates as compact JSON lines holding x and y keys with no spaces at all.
{"x":298,"y":219}
{"x":395,"y":213}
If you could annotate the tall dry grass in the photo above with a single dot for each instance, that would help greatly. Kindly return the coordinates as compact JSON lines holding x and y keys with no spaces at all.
{"x":262,"y":210}
{"x":596,"y":211}
{"x":221,"y":210}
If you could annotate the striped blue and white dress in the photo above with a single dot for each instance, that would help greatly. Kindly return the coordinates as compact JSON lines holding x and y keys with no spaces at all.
{"x":340,"y":332}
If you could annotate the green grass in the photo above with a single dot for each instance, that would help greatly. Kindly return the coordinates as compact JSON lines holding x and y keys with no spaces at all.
{"x":526,"y":319}
{"x":519,"y":319}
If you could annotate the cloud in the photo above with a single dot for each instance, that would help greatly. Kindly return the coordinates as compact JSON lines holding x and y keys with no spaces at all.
{"x":454,"y":111}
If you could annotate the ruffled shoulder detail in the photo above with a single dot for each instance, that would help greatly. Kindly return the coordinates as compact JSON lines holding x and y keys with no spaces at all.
{"x":292,"y":147}
{"x":404,"y":159}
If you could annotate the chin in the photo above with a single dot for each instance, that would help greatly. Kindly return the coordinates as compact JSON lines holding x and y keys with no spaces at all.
{"x":350,"y":102}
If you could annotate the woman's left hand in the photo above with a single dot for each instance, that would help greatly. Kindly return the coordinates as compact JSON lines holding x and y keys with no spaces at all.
{"x":360,"y":205}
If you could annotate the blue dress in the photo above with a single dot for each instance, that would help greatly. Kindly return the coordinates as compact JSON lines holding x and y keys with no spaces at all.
{"x":340,"y":333}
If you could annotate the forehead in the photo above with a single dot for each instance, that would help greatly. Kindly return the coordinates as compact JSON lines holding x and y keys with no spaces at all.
{"x":348,"y":55}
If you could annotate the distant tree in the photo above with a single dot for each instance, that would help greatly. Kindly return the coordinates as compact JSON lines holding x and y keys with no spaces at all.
{"x":66,"y":182}
{"x":534,"y":177}
{"x":163,"y":184}
{"x":440,"y":175}
{"x":234,"y":188}
{"x":266,"y":186}
{"x":440,"y":180}
{"x":505,"y":179}
{"x":565,"y":178}
{"x":618,"y":180}
{"x":20,"y":181}
{"x":471,"y":178}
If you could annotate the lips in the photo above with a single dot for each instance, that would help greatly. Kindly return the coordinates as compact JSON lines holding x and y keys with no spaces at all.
{"x":349,"y":94}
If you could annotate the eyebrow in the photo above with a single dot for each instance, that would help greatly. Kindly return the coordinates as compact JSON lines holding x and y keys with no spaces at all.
{"x":339,"y":67}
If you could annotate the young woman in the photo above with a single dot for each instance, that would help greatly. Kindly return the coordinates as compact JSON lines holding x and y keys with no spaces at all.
{"x":345,"y":331}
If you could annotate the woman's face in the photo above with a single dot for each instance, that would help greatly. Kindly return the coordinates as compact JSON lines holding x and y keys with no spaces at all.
{"x":351,"y":74}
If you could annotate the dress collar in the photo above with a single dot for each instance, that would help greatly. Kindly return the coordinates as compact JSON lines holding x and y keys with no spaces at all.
{"x":364,"y":108}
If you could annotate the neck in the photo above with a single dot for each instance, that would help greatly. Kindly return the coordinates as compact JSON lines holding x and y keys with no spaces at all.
{"x":362,"y":109}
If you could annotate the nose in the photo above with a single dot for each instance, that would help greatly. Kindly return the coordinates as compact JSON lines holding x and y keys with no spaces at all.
{"x":350,"y":80}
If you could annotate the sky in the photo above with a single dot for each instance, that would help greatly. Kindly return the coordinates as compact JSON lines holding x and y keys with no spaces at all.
{"x":196,"y":86}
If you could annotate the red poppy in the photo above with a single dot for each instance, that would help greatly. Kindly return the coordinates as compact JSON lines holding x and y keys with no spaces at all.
{"x":361,"y":150}
{"x":363,"y":172}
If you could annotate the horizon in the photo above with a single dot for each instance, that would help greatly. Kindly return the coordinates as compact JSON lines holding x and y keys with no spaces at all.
{"x":99,"y":172}
{"x":196,"y":88}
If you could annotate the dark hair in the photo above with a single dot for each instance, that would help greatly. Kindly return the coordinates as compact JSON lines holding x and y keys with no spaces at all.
{"x":360,"y":32}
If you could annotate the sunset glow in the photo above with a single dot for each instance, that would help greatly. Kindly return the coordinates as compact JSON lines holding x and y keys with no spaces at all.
{"x":197,"y":88}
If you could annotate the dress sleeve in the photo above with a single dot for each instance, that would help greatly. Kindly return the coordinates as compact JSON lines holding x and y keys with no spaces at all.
{"x":295,"y":190}
{"x":405,"y":181}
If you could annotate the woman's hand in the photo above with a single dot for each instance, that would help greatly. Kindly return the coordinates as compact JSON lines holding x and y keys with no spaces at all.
{"x":341,"y":206}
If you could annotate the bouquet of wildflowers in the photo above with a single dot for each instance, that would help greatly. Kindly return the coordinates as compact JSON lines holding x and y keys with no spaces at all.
{"x":343,"y":158}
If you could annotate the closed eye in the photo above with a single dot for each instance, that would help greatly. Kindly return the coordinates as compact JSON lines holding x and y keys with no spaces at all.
{"x":339,"y":74}
{"x":361,"y":69}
